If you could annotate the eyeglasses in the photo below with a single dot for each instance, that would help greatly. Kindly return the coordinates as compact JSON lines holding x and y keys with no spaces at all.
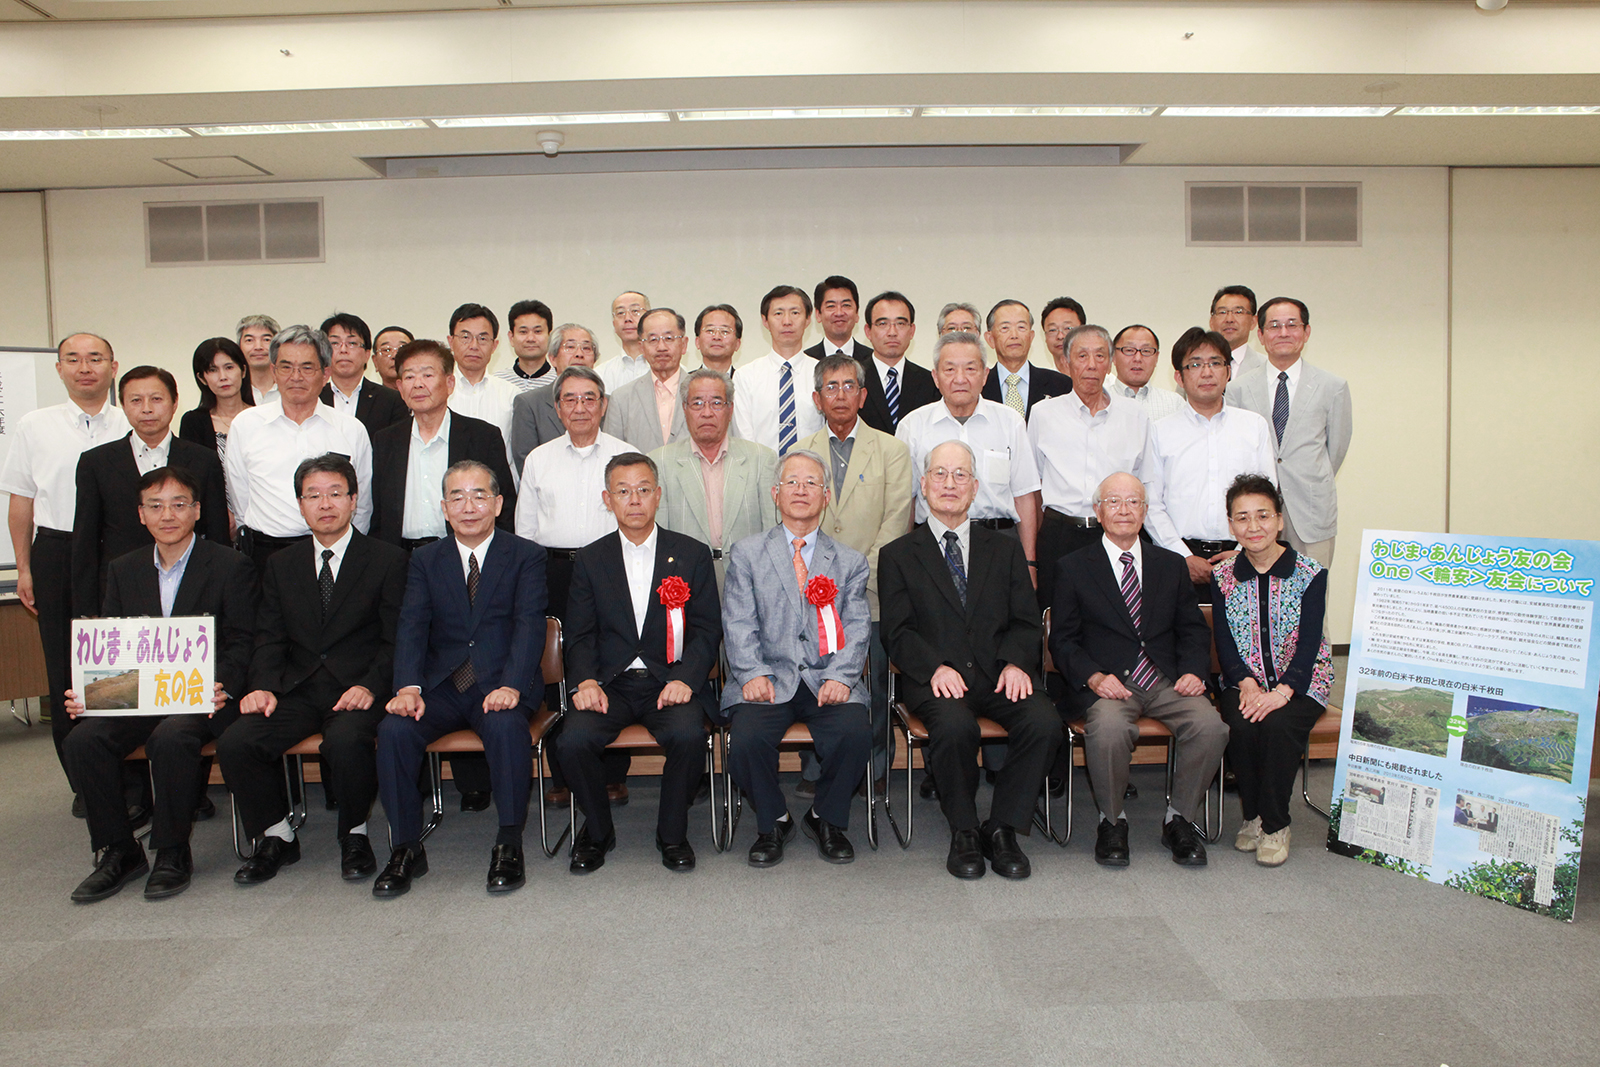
{"x":808,"y":484}
{"x":1243,"y":518}
{"x":334,"y":495}
{"x":884,"y":324}
{"x":1129,"y":351}
{"x":1284,"y":324}
{"x":1204,"y":364}
{"x":719,"y":332}
{"x":835,"y":388}
{"x":626,"y":493}
{"x":482,"y":340}
{"x":960,"y":475}
{"x":161,"y":507}
{"x":582,"y":400}
{"x":461,"y":497}
{"x":1117,"y":503}
{"x":660,"y":338}
{"x":299,"y":370}
{"x":76,"y":361}
{"x":700,"y":403}
{"x":634,"y":310}
{"x":1233,"y":313}
{"x":576,"y":346}
{"x":346,"y":342}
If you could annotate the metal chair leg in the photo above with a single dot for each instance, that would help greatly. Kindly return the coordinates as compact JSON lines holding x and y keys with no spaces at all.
{"x":872,"y":807}
{"x":436,"y":780}
{"x":238,"y":830}
{"x":544,"y":830}
{"x":295,"y":784}
{"x":711,"y":801}
{"x":904,"y":838}
{"x":1305,"y":787}
{"x":1205,"y":830}
{"x":26,"y":718}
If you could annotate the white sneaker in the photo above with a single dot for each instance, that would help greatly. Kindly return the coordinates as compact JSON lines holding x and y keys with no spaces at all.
{"x":1249,"y":836}
{"x":1273,"y":848}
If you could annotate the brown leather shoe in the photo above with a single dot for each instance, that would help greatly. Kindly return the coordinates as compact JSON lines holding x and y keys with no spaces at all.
{"x":557,"y":798}
{"x":617,"y":794}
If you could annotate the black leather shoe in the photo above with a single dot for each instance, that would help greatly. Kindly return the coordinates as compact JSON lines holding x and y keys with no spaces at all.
{"x":1183,"y":839}
{"x":832,"y":845}
{"x":271,"y":853}
{"x":79,"y":809}
{"x":589,"y":855}
{"x":966,"y":855}
{"x":927,"y":790}
{"x":679,"y":857}
{"x":115,"y":867}
{"x":1111,"y":843}
{"x":404,"y":864}
{"x":138,"y":817}
{"x":1003,"y":853}
{"x":356,"y":861}
{"x":170,"y":874}
{"x":505,"y":869}
{"x":768,"y":848}
{"x":1058,"y":787}
{"x":1130,"y":793}
{"x":475,"y":800}
{"x":205,"y":810}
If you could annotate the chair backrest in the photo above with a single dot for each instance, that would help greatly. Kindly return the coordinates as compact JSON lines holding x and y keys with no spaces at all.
{"x":551,"y":664}
{"x":1216,"y":664}
{"x":1049,"y":663}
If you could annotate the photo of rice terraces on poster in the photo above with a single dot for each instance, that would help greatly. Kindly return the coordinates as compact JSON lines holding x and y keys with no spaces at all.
{"x":1520,"y":737}
{"x":1411,"y":717}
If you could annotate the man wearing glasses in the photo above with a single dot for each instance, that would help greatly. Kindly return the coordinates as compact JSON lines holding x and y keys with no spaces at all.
{"x":1135,"y":355}
{"x":895,"y":386}
{"x":1233,"y":315}
{"x":533,"y":415}
{"x":474,"y":336}
{"x":349,"y":389}
{"x":645,"y":413}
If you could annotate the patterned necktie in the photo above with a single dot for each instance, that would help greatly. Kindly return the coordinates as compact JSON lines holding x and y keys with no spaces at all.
{"x":1014,"y":394}
{"x":325,"y":581}
{"x":1280,"y":405}
{"x":788,"y":433}
{"x":464,"y":677}
{"x":1144,"y":672}
{"x":800,"y":574}
{"x":952,"y":556}
{"x":891,"y":395}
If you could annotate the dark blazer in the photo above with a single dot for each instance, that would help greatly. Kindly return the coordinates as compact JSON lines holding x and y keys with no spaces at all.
{"x":195,"y":426}
{"x":1043,"y":384}
{"x":377,"y":406}
{"x":925,"y":625}
{"x":217,"y":581}
{"x":502,"y":631}
{"x":391,"y":454}
{"x":602,"y":634}
{"x":1091,"y":631}
{"x":355,"y":642}
{"x":916,"y":390}
{"x":107,"y":521}
{"x":857,"y":349}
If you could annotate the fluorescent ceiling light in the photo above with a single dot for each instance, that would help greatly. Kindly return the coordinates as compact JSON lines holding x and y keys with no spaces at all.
{"x":93,"y":135}
{"x":580,"y":119}
{"x":355,"y":126}
{"x":1088,"y":111}
{"x":798,"y":113}
{"x":1543,"y":110}
{"x":1295,"y":112}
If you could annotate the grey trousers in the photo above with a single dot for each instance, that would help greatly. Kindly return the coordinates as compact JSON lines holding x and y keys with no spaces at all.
{"x":1113,"y":731}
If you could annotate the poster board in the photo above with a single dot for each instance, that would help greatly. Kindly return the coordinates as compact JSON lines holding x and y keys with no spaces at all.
{"x":144,"y":666}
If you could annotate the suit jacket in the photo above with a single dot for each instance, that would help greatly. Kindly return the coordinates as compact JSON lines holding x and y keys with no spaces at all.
{"x":747,"y":504}
{"x":502,"y":631}
{"x":217,"y":581}
{"x":470,"y":438}
{"x":631,"y":415}
{"x":533,"y":422}
{"x":768,"y":629}
{"x":603,"y":636}
{"x":916,"y":389}
{"x":1043,"y":384}
{"x":354,"y":641}
{"x":1314,"y":443}
{"x":1091,"y":631}
{"x":925,"y":625}
{"x":857,"y":349}
{"x":107,"y":523}
{"x":377,"y":406}
{"x":195,"y":426}
{"x":874,"y":506}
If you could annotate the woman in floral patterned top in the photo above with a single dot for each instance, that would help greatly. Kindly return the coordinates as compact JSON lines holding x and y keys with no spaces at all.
{"x":1268,"y":605}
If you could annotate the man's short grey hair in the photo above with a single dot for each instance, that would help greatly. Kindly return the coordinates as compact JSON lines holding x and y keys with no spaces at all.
{"x":803,"y":453}
{"x":950,"y":309}
{"x":582,"y":373}
{"x":702,"y":374}
{"x":1094,"y":498}
{"x":561,"y":331}
{"x":303,"y":335}
{"x":465,"y":466}
{"x":828,"y":364}
{"x":960,"y":337}
{"x":972,"y":460}
{"x":1079,"y":331}
{"x":265,"y":322}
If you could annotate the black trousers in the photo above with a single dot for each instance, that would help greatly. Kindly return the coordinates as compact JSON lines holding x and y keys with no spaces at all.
{"x":842,"y":734}
{"x":94,"y":753}
{"x":678,"y":728}
{"x":1057,"y":538}
{"x":1265,"y":755}
{"x":558,"y":583}
{"x":52,"y":596}
{"x":251,"y":753}
{"x":1035,"y":736}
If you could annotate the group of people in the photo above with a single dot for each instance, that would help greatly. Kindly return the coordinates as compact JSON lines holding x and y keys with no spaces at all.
{"x":381,"y":557}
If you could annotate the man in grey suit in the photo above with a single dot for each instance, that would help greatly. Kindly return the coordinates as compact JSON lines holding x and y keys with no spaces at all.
{"x":714,"y":487}
{"x":795,"y":626}
{"x":533,"y":414}
{"x":645,"y":412}
{"x":1309,"y":411}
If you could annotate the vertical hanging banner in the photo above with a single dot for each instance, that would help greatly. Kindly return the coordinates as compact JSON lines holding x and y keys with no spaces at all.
{"x":1470,"y":714}
{"x":144,"y":666}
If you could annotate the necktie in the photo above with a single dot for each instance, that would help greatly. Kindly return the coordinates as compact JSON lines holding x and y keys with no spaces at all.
{"x":800,"y":574}
{"x":472,"y":577}
{"x":1014,"y":394}
{"x":464,"y":677}
{"x":891,"y":395}
{"x":952,"y":556}
{"x":1280,"y":405}
{"x":325,"y":580}
{"x":1144,"y":673}
{"x":787,"y":432}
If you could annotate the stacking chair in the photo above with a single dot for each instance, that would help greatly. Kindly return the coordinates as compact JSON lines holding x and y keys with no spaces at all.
{"x":1325,"y":731}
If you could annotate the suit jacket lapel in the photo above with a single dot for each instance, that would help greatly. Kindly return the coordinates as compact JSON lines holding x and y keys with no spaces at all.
{"x":194,"y":579}
{"x":493,"y":569}
{"x":1307,"y":398}
{"x":931,"y":556}
{"x":356,"y":554}
{"x":1111,"y":586}
{"x":875,"y":398}
{"x":733,"y":476}
{"x":694,"y":489}
{"x":860,"y":455}
{"x":781,"y":555}
{"x":617,"y":573}
{"x":980,"y":560}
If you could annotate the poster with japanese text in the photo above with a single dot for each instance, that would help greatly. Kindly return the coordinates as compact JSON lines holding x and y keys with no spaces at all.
{"x":143,"y":666}
{"x":1469,"y":714}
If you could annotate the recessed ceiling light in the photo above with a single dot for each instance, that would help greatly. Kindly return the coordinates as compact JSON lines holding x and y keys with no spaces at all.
{"x":1292,"y":112}
{"x":578,"y":119}
{"x":93,"y":134}
{"x":1087,"y":111}
{"x":798,"y":113}
{"x":353,"y":126}
{"x":1588,"y":109}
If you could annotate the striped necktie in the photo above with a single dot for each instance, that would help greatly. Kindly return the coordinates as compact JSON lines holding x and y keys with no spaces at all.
{"x":1280,"y":405}
{"x":788,"y":433}
{"x":891,"y":395}
{"x":1144,"y":672}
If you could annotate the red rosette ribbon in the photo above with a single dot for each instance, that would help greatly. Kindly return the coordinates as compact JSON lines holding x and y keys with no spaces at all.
{"x":821,"y":593}
{"x":674,"y":594}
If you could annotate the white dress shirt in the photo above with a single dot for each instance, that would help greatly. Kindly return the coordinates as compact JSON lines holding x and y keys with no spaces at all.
{"x":426,"y":462}
{"x":148,"y":457}
{"x":1189,"y":462}
{"x":639,"y":564}
{"x":963,"y":539}
{"x":43,"y":461}
{"x":1245,"y":360}
{"x":559,"y":505}
{"x":1077,"y":451}
{"x":345,"y":405}
{"x":1158,"y":403}
{"x":1293,"y":370}
{"x":339,"y":548}
{"x":831,"y":349}
{"x":999,"y":441}
{"x":1114,"y":554}
{"x":264,"y":448}
{"x":755,"y":402}
{"x":620,"y":370}
{"x":490,"y":400}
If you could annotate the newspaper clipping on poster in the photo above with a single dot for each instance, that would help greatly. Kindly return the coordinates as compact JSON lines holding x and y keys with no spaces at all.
{"x":1470,"y":714}
{"x":144,"y":666}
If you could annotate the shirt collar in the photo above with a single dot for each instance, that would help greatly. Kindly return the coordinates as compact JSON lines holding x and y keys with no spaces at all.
{"x":1244,"y":570}
{"x":1115,"y":555}
{"x":851,"y":436}
{"x":585,"y":451}
{"x":885,"y":366}
{"x":1116,"y":387}
{"x":648,"y":546}
{"x":516,"y":366}
{"x":780,"y":361}
{"x":1021,"y":372}
{"x":482,"y":551}
{"x":183,"y":560}
{"x":809,"y":539}
{"x":352,"y":394}
{"x":442,"y":435}
{"x":340,"y":547}
{"x":939,"y":529}
{"x":722,"y":450}
{"x":163,"y":446}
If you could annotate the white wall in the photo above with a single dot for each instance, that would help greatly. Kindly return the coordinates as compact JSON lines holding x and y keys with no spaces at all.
{"x":24,"y":321}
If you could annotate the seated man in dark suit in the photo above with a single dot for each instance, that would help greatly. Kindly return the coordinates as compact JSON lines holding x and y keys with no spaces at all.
{"x":182,"y":575}
{"x":466,"y":657}
{"x":1127,"y":633}
{"x":323,"y":662}
{"x":961,"y":621}
{"x":796,"y":624}
{"x":636,"y":659}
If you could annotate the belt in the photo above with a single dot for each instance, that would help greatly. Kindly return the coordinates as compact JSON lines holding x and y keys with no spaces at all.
{"x":996,"y":524}
{"x":562,"y":553}
{"x":411,"y":544}
{"x":54,"y":535}
{"x":1207,"y":549}
{"x":1086,"y":522}
{"x":268,"y":539}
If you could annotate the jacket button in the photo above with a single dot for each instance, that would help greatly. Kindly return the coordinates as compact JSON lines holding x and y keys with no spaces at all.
{"x":472,"y":644}
{"x":324,"y":655}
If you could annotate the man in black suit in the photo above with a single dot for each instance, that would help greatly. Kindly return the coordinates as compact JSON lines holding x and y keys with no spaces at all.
{"x":961,"y":621}
{"x":323,"y":662}
{"x":837,"y":304}
{"x":107,"y":520}
{"x":349,"y":389}
{"x":1010,"y":333}
{"x":466,"y":657}
{"x":1127,"y":633}
{"x":635,"y":659}
{"x":181,"y":575}
{"x":895,"y":385}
